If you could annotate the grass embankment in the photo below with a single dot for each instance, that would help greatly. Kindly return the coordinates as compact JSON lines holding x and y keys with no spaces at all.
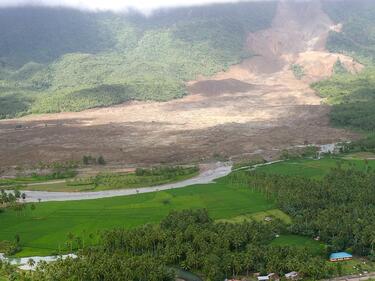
{"x":108,"y":181}
{"x":45,"y":229}
{"x":125,"y":181}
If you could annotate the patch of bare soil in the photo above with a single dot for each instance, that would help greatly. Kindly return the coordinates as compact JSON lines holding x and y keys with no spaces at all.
{"x":256,"y":107}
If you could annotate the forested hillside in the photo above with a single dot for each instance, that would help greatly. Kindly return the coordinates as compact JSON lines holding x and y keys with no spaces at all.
{"x":56,"y":60}
{"x":352,"y":96}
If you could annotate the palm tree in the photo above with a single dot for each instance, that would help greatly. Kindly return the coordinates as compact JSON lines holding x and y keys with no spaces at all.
{"x":70,"y":237}
{"x":31,"y":263}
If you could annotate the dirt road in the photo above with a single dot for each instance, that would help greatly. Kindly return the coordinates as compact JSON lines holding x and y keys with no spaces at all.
{"x":218,"y":170}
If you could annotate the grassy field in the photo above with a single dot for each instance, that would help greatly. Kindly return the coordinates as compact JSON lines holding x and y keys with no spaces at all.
{"x":299,"y":241}
{"x":314,"y":168}
{"x":44,"y":230}
{"x":260,"y":216}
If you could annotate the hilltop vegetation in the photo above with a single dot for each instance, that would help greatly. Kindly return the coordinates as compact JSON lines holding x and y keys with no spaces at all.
{"x":352,"y":96}
{"x":102,"y":59}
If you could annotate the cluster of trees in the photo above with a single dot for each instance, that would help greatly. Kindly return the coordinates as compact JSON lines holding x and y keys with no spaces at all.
{"x":10,"y":198}
{"x":157,"y":53}
{"x":365,"y":144}
{"x":353,"y":96}
{"x":90,"y":160}
{"x":298,"y":71}
{"x":338,"y":209}
{"x":190,"y":240}
{"x":142,"y":177}
{"x":41,"y":172}
{"x":167,"y":171}
{"x":358,"y":20}
{"x":10,"y":248}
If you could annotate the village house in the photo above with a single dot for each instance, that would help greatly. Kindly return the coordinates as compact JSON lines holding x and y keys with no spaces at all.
{"x":292,"y":275}
{"x":341,"y":256}
{"x":269,"y":277}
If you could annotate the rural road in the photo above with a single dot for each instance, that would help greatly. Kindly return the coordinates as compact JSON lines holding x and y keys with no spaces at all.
{"x":216,"y":171}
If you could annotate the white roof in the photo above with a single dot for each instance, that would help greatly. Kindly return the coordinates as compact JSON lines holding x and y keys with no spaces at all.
{"x":291,"y":274}
{"x":263,"y":278}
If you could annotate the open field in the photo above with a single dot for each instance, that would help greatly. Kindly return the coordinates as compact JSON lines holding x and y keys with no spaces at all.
{"x":299,"y":241}
{"x":44,"y":230}
{"x":314,"y":168}
{"x":260,"y":216}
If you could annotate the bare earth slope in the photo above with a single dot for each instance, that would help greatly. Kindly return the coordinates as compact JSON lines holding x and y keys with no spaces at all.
{"x":255,"y":107}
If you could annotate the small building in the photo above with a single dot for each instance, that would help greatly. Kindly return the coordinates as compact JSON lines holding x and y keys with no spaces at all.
{"x":340,"y":256}
{"x":269,"y":277}
{"x":292,"y":275}
{"x":267,"y":219}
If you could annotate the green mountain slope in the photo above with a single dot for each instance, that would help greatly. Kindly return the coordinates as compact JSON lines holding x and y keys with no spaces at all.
{"x":352,"y":96}
{"x":70,"y":60}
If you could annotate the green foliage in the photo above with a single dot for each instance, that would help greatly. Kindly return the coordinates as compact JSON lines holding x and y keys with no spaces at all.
{"x":192,"y":241}
{"x":312,"y":168}
{"x":90,"y":160}
{"x":168,"y":171}
{"x":248,"y":163}
{"x":118,"y":57}
{"x":358,"y":34}
{"x":43,"y":34}
{"x":339,"y":68}
{"x":310,"y":151}
{"x":353,"y":99}
{"x":298,"y":71}
{"x":141,"y":178}
{"x":329,"y":208}
{"x":50,"y":222}
{"x":9,"y":248}
{"x":365,"y":144}
{"x":353,"y":96}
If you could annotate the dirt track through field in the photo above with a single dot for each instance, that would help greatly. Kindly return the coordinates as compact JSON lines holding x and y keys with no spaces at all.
{"x":256,"y":107}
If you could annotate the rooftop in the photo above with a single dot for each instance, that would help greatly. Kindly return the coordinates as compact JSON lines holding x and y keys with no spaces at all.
{"x":340,"y":255}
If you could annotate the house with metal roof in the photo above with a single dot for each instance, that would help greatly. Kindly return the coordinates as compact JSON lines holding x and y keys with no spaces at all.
{"x":292,"y":275}
{"x":340,"y":256}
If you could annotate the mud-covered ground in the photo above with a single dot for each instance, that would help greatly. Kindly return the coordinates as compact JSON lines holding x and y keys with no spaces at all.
{"x":255,"y":107}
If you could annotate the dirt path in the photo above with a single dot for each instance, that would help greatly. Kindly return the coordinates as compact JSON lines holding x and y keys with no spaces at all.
{"x":207,"y":176}
{"x":257,"y":106}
